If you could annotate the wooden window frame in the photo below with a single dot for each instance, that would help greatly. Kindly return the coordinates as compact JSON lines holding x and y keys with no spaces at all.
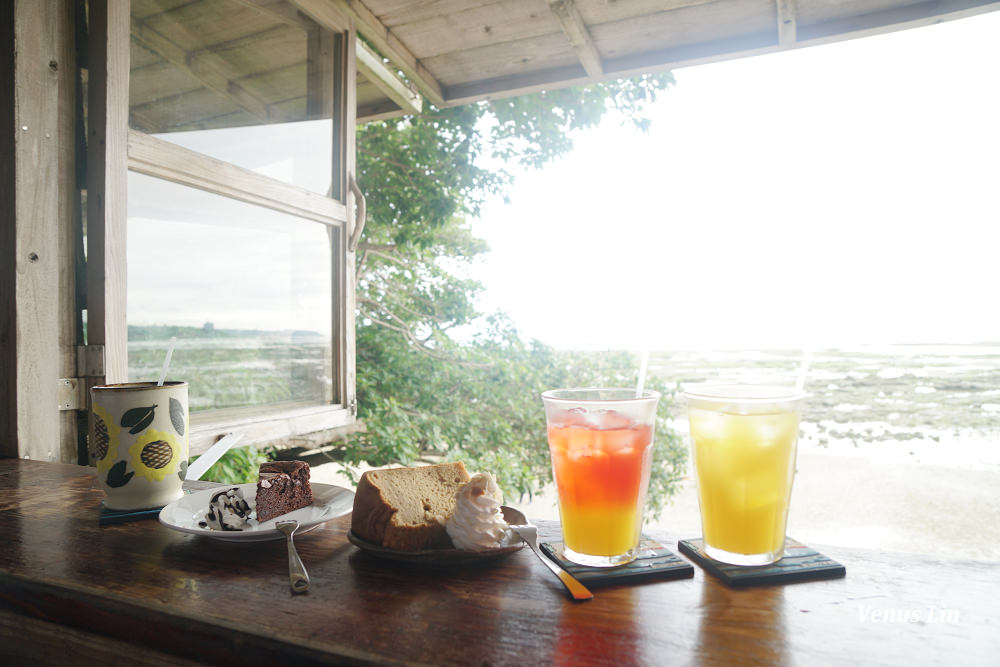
{"x":116,"y":149}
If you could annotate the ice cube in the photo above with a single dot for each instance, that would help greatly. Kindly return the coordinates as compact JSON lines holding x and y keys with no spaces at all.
{"x":580,"y":440}
{"x":707,"y":425}
{"x":572,"y":417}
{"x":610,"y":419}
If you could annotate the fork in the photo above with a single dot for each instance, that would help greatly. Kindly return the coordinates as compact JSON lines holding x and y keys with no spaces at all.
{"x":529,"y":534}
{"x":297,"y":575}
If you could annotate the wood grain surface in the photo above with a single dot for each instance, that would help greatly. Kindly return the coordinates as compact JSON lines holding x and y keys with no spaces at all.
{"x":135,"y":591}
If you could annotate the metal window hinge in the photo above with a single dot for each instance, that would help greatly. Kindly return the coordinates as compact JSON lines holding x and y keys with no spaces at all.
{"x":71,"y":394}
{"x":90,"y":360}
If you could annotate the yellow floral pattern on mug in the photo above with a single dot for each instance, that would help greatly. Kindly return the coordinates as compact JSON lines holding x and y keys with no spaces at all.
{"x":105,"y":443}
{"x":155,"y":454}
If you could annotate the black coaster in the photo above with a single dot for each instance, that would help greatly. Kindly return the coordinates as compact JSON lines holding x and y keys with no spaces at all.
{"x":800,"y":563}
{"x":655,"y":561}
{"x":121,"y":516}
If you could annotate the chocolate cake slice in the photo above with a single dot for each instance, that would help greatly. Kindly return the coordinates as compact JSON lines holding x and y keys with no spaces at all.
{"x":282,"y":486}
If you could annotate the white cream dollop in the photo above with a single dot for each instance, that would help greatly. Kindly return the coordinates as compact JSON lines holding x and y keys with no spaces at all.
{"x":477,"y":522}
{"x":227,"y":510}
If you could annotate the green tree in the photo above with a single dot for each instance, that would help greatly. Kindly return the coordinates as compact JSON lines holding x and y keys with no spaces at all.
{"x":420,"y":393}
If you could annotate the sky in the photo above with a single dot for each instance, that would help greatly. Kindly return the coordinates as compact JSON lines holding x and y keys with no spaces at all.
{"x":828,"y":196}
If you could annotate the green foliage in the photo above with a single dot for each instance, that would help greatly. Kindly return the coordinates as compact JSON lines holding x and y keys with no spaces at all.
{"x":483,"y":406}
{"x":421,"y":393}
{"x":237,"y":466}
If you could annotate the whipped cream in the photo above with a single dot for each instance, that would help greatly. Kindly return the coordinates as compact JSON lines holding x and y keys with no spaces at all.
{"x":227,"y":510}
{"x":477,"y":522}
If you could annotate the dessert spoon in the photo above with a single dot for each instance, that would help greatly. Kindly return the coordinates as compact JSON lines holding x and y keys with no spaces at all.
{"x":297,"y":575}
{"x":529,"y":533}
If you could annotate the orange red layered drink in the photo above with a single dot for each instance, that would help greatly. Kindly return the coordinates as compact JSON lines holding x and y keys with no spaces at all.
{"x":601,"y":443}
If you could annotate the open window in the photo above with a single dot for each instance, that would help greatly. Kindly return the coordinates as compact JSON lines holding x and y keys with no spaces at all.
{"x":231,"y":233}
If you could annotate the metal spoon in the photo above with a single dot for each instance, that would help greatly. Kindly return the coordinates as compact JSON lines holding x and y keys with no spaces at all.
{"x":297,"y":575}
{"x":529,"y":533}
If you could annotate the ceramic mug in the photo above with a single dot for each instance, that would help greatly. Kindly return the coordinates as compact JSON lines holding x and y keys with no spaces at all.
{"x":139,"y":438}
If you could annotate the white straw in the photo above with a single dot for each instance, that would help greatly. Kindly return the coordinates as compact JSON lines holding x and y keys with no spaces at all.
{"x":800,"y":382}
{"x":166,"y":362}
{"x":643,"y":363}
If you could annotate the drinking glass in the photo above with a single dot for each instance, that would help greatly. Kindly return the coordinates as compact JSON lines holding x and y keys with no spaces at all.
{"x":744,"y":440}
{"x":601,"y":444}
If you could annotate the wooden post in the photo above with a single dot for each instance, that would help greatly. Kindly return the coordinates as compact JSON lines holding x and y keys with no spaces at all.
{"x":107,"y":176}
{"x":37,"y":217}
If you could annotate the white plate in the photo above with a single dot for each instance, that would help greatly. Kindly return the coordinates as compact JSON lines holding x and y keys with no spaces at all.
{"x":185,"y":514}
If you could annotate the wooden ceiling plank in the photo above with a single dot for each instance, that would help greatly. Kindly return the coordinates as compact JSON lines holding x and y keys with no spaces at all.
{"x":486,"y":73}
{"x":787,"y":22}
{"x":631,"y":65}
{"x":383,"y":39}
{"x":324,"y":12}
{"x":370,"y":64}
{"x":478,"y":25}
{"x":382,"y":110}
{"x":578,"y":35}
{"x":338,"y":16}
{"x":891,"y":20}
{"x":280,"y":10}
{"x":207,"y":68}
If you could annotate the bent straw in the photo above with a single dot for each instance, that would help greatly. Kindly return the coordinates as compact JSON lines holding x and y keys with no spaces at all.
{"x":166,"y":362}
{"x":643,"y":363}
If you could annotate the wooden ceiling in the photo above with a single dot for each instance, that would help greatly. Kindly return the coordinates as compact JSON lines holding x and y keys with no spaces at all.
{"x":250,"y":58}
{"x":458,"y":51}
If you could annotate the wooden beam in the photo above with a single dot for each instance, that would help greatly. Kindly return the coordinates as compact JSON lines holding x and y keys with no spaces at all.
{"x":787,"y":22}
{"x":37,"y":219}
{"x":615,"y":68}
{"x":406,"y":98}
{"x":319,"y":72}
{"x":324,"y":12}
{"x":279,"y":10}
{"x":208,"y":68}
{"x":891,"y":20}
{"x":381,"y":37}
{"x":265,"y":425}
{"x":107,"y":172}
{"x":740,"y":46}
{"x":578,"y":35}
{"x":382,"y":110}
{"x":162,"y":159}
{"x":379,"y":75}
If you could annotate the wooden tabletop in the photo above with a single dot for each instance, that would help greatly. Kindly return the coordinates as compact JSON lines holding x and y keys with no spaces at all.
{"x":140,"y":592}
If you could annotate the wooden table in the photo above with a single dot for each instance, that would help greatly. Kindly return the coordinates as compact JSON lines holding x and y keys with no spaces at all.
{"x":133,"y":593}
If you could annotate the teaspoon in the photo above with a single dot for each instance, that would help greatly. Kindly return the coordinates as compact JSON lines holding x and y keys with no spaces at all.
{"x":529,"y":533}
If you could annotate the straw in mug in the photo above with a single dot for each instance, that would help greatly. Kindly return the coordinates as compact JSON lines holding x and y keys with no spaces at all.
{"x":166,"y":362}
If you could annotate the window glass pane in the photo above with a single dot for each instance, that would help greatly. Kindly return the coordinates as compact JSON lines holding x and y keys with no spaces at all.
{"x":230,"y":81}
{"x":246,"y":291}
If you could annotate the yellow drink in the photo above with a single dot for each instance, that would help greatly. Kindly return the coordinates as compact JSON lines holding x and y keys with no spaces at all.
{"x":744,"y":456}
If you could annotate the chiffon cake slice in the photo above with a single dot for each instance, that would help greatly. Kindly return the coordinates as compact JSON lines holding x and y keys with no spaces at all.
{"x":406,"y":508}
